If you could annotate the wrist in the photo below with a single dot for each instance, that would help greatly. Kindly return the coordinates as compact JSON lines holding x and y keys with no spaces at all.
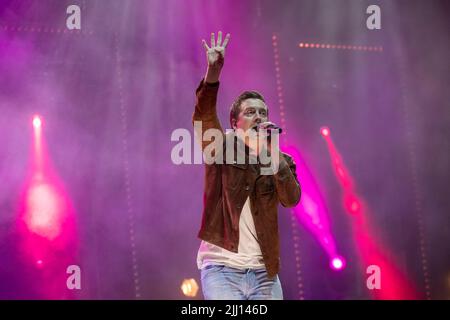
{"x":212,"y":74}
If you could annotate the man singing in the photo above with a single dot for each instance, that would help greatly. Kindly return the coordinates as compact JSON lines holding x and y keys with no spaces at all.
{"x":239,"y":253}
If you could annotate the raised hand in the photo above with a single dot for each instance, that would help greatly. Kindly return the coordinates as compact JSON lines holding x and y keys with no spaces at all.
{"x":215,"y":55}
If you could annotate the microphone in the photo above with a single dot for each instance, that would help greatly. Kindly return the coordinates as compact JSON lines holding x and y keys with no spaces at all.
{"x":269,"y":127}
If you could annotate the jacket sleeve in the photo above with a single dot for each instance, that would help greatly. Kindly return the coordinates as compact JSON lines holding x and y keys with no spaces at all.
{"x":206,"y":111}
{"x":286,"y":182}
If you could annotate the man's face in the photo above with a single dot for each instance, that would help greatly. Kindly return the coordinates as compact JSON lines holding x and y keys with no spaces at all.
{"x":253,"y":111}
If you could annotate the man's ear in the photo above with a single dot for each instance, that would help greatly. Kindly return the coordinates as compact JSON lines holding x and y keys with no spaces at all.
{"x":233,"y":123}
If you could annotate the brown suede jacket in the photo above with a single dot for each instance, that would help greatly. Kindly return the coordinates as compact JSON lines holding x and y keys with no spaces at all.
{"x":228,"y":185}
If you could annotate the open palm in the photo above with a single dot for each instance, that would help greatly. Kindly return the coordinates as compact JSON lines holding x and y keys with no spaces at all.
{"x":216,"y":53}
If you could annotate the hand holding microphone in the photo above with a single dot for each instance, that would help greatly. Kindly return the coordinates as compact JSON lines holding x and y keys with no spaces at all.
{"x":268,"y":126}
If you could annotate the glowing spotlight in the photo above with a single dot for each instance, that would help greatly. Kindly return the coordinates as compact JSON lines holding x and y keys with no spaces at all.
{"x":189,"y":287}
{"x":37,"y":123}
{"x":324,"y":131}
{"x":44,"y":211}
{"x":354,"y":206}
{"x":39,"y":263}
{"x":337,"y":263}
{"x":301,"y":44}
{"x":352,"y":203}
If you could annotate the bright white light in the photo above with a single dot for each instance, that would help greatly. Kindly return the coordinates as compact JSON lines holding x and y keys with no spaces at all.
{"x":337,"y":263}
{"x":325,"y":131}
{"x":37,"y":122}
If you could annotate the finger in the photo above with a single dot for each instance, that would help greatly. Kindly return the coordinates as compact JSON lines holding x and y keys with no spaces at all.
{"x":205,"y":45}
{"x":213,"y":41}
{"x":219,"y":38}
{"x":225,"y":42}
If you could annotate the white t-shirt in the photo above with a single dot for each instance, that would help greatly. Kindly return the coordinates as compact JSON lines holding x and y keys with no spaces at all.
{"x":249,"y":253}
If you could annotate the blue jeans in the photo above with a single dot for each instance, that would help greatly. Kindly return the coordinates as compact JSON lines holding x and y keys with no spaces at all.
{"x":224,"y":283}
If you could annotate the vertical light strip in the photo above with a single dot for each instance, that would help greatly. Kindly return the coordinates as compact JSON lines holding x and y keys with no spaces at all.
{"x":294,"y":222}
{"x":411,"y":145}
{"x":126,"y":168}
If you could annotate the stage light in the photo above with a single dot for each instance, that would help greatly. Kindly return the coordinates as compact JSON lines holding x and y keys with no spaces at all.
{"x":352,"y":204}
{"x":339,"y":46}
{"x":189,"y":287}
{"x":324,"y":131}
{"x":37,"y":122}
{"x":44,"y":211}
{"x":337,"y":263}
